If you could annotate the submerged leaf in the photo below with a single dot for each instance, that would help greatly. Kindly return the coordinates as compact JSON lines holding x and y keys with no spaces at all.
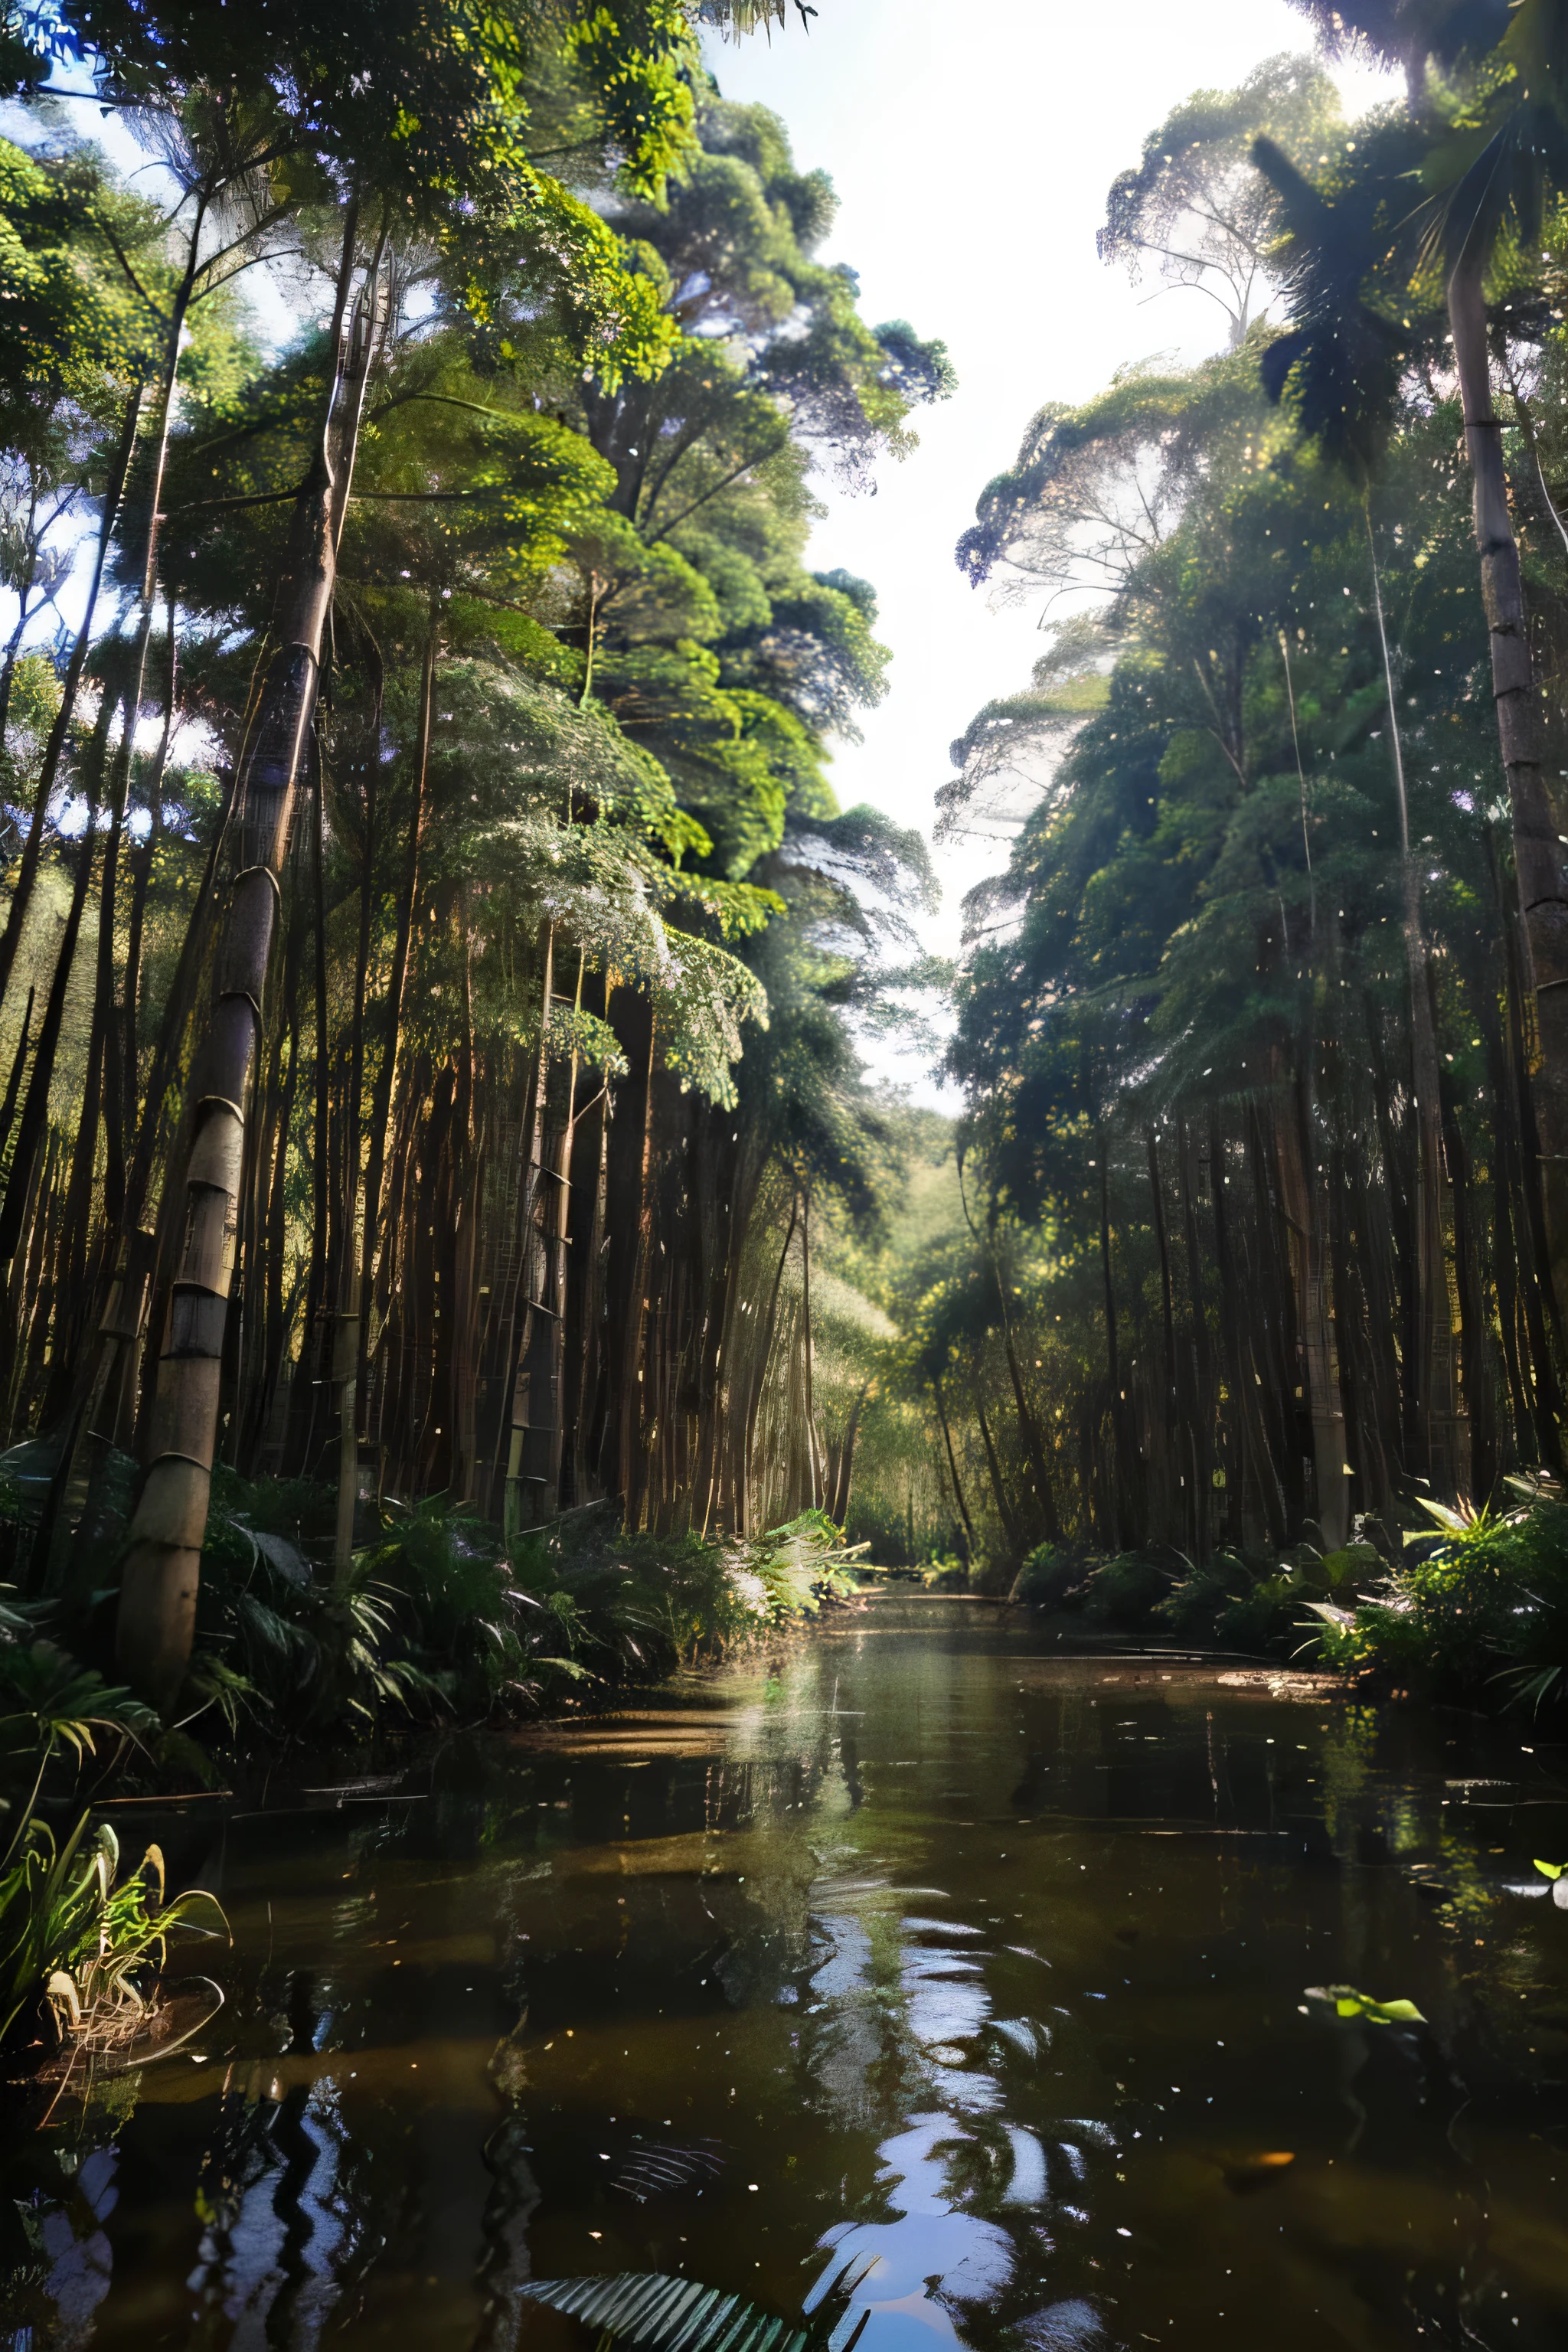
{"x":1348,"y":2002}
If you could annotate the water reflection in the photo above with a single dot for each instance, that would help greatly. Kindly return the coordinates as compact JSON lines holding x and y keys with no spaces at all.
{"x":282,"y":2223}
{"x":935,"y":1976}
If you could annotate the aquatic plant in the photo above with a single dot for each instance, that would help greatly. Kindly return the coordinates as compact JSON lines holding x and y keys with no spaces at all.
{"x":1348,"y":2002}
{"x":72,"y":1934}
{"x":84,"y":1942}
{"x":103,"y":1986}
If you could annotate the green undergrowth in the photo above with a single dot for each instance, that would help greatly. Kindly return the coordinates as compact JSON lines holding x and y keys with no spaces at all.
{"x":1480,"y":1609}
{"x":1473,"y":1604}
{"x":436,"y":1620}
{"x":82,"y":1941}
{"x":435,"y":1623}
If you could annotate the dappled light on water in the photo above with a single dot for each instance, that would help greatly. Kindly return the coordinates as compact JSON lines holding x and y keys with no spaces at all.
{"x":934,"y":1983}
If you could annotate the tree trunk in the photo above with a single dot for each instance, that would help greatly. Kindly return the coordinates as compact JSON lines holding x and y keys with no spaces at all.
{"x":1236,"y":1336}
{"x":760,"y":1372}
{"x":588,"y":1241}
{"x":634,"y":1412}
{"x":32,"y":849}
{"x":1303,"y":1203}
{"x":1430,"y":1440}
{"x":130,"y":1049}
{"x":156,"y":1620}
{"x":177,"y":1014}
{"x":522,"y":1497}
{"x":1475,"y":1364}
{"x":953,"y":1468}
{"x":35,"y":1105}
{"x":18,"y":1071}
{"x":843,"y":1461}
{"x":1011,"y":1533}
{"x":1049,"y":1518}
{"x":1119,"y":1466}
{"x":1538,"y":858}
{"x":1202,"y":1421}
{"x":103,"y":1092}
{"x":386,"y":1071}
{"x":813,"y":1451}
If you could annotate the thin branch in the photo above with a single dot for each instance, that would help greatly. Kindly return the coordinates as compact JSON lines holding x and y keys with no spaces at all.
{"x":248,"y":431}
{"x":158,"y":312}
{"x":447,"y":400}
{"x":1217,"y":730}
{"x":211,"y":506}
{"x":722,"y":484}
{"x":259,"y":229}
{"x":217,"y":285}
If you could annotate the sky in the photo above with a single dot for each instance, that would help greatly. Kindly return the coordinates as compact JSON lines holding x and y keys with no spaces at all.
{"x":972,"y":156}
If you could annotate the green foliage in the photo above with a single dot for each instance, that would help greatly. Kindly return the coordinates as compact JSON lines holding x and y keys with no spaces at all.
{"x":1188,"y":1009}
{"x":575,"y":714}
{"x":435,"y":1621}
{"x":53,"y":1705}
{"x":1049,"y":1574}
{"x":1349,"y":2004}
{"x":1124,"y":1590}
{"x":650,"y":2312}
{"x":1486,"y":1604}
{"x":85,"y":1941}
{"x":102,"y":1980}
{"x":51,"y":1898}
{"x":1194,"y":212}
{"x":799,"y":1566}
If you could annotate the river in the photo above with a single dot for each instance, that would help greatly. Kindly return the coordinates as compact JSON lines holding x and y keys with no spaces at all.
{"x":933,"y":1956}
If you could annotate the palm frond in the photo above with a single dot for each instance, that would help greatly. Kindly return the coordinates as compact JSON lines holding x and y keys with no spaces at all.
{"x":1339,"y":360}
{"x":651,"y":2312}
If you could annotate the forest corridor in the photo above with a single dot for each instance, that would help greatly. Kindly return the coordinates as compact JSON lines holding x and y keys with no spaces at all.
{"x":539,"y":1154}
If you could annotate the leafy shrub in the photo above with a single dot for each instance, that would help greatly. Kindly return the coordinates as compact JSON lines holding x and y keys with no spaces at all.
{"x":1047,"y":1575}
{"x":1486,"y":1602}
{"x":1254,"y":1603}
{"x":1191,"y":1607}
{"x":1124,"y":1590}
{"x":437,"y":1618}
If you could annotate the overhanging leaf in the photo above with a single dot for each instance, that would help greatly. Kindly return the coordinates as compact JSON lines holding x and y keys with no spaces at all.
{"x":653,"y":2312}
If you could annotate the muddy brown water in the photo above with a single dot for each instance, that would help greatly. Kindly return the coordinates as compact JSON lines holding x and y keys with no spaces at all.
{"x":933,"y":1952}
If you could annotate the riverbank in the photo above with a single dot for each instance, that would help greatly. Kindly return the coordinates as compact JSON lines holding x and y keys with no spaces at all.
{"x":313,"y":1689}
{"x":1469,"y":1607}
{"x":437,"y":1627}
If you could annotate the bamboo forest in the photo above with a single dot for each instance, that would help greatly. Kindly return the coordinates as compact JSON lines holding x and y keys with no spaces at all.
{"x":783,"y":997}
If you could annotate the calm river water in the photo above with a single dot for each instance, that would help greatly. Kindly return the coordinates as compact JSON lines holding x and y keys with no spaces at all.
{"x":931,"y":1950}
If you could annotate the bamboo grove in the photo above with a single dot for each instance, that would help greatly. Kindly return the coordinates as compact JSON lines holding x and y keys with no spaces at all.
{"x":436,"y":970}
{"x":1258,"y":1027}
{"x":434,"y":950}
